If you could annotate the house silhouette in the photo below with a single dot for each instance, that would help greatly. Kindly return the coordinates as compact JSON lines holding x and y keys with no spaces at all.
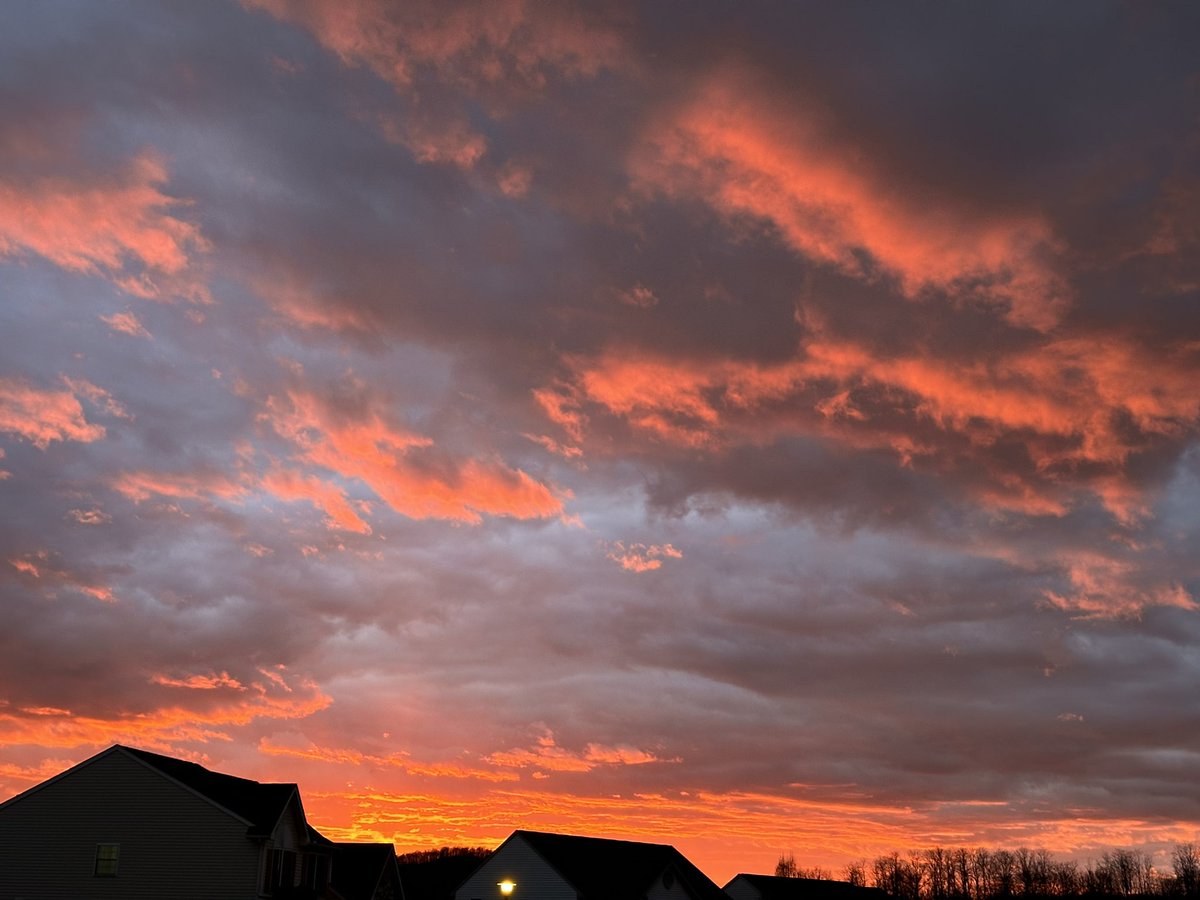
{"x":534,"y":865}
{"x":132,"y":824}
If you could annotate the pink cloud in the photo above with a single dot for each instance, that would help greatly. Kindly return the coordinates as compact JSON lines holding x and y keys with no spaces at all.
{"x":1104,"y":586}
{"x":736,"y":148}
{"x":120,"y":227}
{"x":377,"y":453}
{"x":126,"y":323}
{"x":641,"y":557}
{"x":291,"y":486}
{"x":90,"y":516}
{"x":140,"y":486}
{"x":44,"y":416}
{"x":44,"y":567}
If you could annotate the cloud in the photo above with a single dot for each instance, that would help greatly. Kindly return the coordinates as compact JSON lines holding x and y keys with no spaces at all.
{"x":141,"y":486}
{"x":473,"y":42}
{"x":400,"y":761}
{"x":641,"y":557}
{"x":126,"y":323}
{"x":119,"y":226}
{"x":744,"y":153}
{"x":402,"y":468}
{"x":547,"y":756}
{"x":44,"y":416}
{"x":885,"y":362}
{"x":166,"y":726}
{"x":339,"y":513}
{"x":200,"y":682}
{"x":48,"y":570}
{"x":1102,"y":585}
{"x":1071,"y":402}
{"x":493,"y":48}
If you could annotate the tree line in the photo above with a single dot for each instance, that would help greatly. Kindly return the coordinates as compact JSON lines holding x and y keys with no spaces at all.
{"x":980,"y":874}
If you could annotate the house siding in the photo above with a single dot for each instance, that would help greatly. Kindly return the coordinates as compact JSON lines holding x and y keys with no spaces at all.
{"x":172,"y":842}
{"x":517,"y":861}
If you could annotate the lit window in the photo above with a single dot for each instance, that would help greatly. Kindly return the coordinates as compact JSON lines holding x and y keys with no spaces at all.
{"x":107,"y":856}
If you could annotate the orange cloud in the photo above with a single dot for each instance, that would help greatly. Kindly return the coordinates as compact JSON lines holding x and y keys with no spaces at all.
{"x":376,"y":453}
{"x":119,"y":227}
{"x":42,"y":566}
{"x":394,"y":760}
{"x":332,"y":501}
{"x":200,"y":682}
{"x":473,"y":45}
{"x":1070,"y":400}
{"x":42,"y":416}
{"x":641,"y":557}
{"x":566,"y":451}
{"x":547,"y":755}
{"x":735,"y":148}
{"x":165,"y":726}
{"x":475,"y":42}
{"x":1103,"y":586}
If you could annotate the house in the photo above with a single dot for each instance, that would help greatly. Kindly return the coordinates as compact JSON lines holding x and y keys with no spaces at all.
{"x":365,"y":872}
{"x":773,"y":887}
{"x":131,"y":824}
{"x":434,"y":874}
{"x":533,"y":865}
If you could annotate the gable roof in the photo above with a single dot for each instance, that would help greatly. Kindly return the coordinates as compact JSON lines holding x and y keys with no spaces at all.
{"x":259,"y":804}
{"x":358,"y":869}
{"x":776,"y":887}
{"x":437,"y":879}
{"x":604,"y":869}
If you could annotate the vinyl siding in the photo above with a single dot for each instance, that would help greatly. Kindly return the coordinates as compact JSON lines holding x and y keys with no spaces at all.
{"x":516,"y":861}
{"x":172,"y":843}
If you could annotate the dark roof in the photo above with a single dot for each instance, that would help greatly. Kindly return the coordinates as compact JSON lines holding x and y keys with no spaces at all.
{"x":259,"y":804}
{"x":358,"y":869}
{"x":602,"y":869}
{"x":774,"y":887}
{"x":437,"y":879}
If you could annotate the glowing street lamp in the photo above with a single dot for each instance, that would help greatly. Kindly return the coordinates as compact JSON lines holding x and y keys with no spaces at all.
{"x":506,"y":887}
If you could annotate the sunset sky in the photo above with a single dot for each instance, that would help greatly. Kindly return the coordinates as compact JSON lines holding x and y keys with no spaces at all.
{"x":756,"y":427}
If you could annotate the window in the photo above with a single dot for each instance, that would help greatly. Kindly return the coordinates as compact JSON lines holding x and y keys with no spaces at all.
{"x":107,"y":857}
{"x":280,"y":871}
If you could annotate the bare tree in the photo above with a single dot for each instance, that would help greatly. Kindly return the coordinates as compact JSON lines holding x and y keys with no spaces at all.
{"x":856,"y":873}
{"x":1185,"y":861}
{"x":1033,"y":871}
{"x":786,"y":867}
{"x":939,"y":873}
{"x":1125,"y":873}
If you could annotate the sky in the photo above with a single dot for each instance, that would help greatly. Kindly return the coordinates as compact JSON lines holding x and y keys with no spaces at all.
{"x":755,"y":427}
